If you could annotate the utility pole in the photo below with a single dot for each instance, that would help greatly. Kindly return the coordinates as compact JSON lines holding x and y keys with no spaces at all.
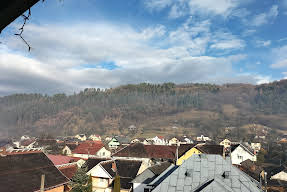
{"x":42,"y":183}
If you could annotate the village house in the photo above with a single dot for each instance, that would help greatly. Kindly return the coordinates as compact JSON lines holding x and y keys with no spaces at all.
{"x":250,"y":168}
{"x":207,"y":172}
{"x":147,"y":176}
{"x":117,"y":141}
{"x":69,"y":147}
{"x":179,"y":140}
{"x":81,"y":137}
{"x":22,"y":172}
{"x":277,"y":173}
{"x":104,"y":173}
{"x":95,"y":138}
{"x":114,"y":143}
{"x":140,"y":140}
{"x":226,"y":143}
{"x":276,"y":178}
{"x":198,"y":149}
{"x":203,"y":138}
{"x":94,"y":161}
{"x":67,"y":165}
{"x":173,"y":141}
{"x":26,"y":143}
{"x":91,"y":149}
{"x":148,"y":154}
{"x":240,"y":153}
{"x":256,"y":147}
{"x":158,"y":140}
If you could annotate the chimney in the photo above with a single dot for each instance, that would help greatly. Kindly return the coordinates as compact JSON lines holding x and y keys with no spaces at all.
{"x":114,"y":166}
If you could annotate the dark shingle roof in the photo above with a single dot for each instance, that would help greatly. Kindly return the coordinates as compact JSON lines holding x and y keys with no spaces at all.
{"x":125,"y":168}
{"x":251,"y":169}
{"x":183,"y":148}
{"x":211,"y":149}
{"x":158,"y":169}
{"x":125,"y":183}
{"x":147,"y":151}
{"x":273,"y":170}
{"x":23,"y":172}
{"x":92,"y":162}
{"x":151,"y":173}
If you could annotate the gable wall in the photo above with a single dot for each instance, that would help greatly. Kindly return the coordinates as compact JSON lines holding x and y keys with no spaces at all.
{"x":187,"y":155}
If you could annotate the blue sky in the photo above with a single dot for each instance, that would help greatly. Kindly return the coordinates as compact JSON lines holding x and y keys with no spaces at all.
{"x":106,"y":43}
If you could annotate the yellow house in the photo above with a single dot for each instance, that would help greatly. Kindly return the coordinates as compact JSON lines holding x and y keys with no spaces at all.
{"x":199,"y":149}
{"x":188,"y":154}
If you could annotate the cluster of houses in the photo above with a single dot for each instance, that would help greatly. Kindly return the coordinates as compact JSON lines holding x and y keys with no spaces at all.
{"x":143,"y":165}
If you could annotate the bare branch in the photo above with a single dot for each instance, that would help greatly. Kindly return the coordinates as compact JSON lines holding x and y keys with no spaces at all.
{"x":21,"y":29}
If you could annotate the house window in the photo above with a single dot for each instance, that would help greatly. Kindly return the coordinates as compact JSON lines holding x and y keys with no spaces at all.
{"x":240,"y":157}
{"x":104,"y":153}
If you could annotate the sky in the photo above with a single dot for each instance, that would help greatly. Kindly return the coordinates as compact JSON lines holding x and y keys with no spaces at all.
{"x":107,"y":43}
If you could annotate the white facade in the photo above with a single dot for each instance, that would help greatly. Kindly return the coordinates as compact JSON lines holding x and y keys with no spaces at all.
{"x":225,"y":143}
{"x":158,"y":141}
{"x":241,"y":154}
{"x":67,"y":151}
{"x":256,"y":146}
{"x":203,"y":138}
{"x":95,"y":137}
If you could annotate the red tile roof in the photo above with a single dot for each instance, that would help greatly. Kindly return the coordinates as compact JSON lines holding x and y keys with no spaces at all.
{"x":69,"y":171}
{"x":89,"y":147}
{"x":59,"y":159}
{"x":147,"y":151}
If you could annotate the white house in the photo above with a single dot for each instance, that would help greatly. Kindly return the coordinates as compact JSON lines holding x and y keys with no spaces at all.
{"x":104,"y":173}
{"x":140,"y":140}
{"x":95,"y":137}
{"x":203,"y":138}
{"x":67,"y":150}
{"x":240,"y":153}
{"x":256,"y":147}
{"x":158,"y":140}
{"x":91,"y":149}
{"x":226,"y":143}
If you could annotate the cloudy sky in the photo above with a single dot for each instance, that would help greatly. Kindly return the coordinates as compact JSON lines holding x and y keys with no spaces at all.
{"x":105,"y":43}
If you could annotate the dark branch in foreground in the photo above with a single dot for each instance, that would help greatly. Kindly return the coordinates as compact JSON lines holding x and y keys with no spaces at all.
{"x":22,"y":29}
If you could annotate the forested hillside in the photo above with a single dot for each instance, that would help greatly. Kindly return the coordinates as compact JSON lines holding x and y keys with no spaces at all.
{"x":152,"y":108}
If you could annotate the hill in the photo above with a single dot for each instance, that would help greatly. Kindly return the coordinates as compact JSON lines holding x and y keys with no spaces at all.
{"x":153,"y":108}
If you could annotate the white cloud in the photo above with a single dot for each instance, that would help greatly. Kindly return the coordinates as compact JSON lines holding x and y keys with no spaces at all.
{"x":218,"y":7}
{"x":248,"y":32}
{"x":261,"y":43}
{"x":280,"y":57}
{"x":65,"y":58}
{"x":157,"y":4}
{"x":265,"y":18}
{"x":225,"y":40}
{"x":154,"y":32}
{"x":179,"y":8}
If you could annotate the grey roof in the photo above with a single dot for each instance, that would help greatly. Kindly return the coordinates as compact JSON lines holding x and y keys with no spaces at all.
{"x":122,"y":140}
{"x":207,"y":172}
{"x":151,"y":173}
